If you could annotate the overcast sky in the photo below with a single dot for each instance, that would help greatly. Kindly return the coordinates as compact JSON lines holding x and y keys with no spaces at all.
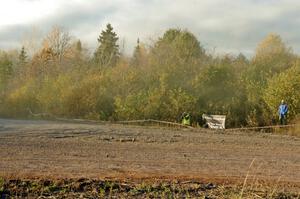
{"x":224,"y":25}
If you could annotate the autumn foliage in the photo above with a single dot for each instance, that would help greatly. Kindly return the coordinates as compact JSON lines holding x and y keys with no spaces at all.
{"x":160,"y":80}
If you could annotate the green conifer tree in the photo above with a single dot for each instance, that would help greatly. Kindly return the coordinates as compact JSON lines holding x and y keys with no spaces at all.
{"x":107,"y":54}
{"x":78,"y":46}
{"x":136,"y":59}
{"x":22,"y":56}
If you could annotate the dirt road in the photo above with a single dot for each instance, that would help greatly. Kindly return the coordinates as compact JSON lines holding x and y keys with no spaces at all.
{"x":66,"y":150}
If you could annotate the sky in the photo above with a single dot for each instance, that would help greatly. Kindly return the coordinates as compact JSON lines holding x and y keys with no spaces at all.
{"x":221,"y":26}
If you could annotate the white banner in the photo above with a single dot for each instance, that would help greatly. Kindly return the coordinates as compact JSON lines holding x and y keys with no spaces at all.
{"x":215,"y":121}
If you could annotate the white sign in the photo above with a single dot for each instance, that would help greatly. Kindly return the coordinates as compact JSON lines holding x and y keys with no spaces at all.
{"x":215,"y":121}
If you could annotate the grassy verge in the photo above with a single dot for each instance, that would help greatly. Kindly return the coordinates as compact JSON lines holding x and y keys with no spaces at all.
{"x":85,"y":188}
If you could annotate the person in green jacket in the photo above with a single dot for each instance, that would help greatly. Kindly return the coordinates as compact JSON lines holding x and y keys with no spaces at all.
{"x":186,"y":119}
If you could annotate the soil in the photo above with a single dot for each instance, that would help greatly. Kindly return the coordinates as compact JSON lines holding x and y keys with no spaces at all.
{"x":61,"y":150}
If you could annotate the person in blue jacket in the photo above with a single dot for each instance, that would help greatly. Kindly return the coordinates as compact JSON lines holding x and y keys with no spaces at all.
{"x":282,"y":111}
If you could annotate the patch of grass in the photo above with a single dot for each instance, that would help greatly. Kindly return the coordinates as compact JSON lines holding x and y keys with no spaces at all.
{"x":144,"y":188}
{"x":107,"y":187}
{"x":136,"y":190}
{"x":51,"y":188}
{"x":166,"y":191}
{"x":115,"y":189}
{"x":34,"y":186}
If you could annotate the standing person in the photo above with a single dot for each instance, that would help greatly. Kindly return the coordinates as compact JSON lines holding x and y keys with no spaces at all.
{"x":282,"y":111}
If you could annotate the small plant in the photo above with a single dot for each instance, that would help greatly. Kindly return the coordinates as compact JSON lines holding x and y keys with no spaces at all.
{"x":53,"y":187}
{"x":166,"y":191}
{"x":64,"y":190}
{"x":107,"y":187}
{"x":187,"y":193}
{"x":135,"y":191}
{"x":34,"y":186}
{"x":145,"y":188}
{"x":101,"y":192}
{"x":2,"y":183}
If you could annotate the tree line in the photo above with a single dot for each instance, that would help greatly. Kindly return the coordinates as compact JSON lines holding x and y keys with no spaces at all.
{"x":174,"y":74}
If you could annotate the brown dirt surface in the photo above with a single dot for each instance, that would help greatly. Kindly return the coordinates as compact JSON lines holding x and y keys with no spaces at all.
{"x":61,"y":150}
